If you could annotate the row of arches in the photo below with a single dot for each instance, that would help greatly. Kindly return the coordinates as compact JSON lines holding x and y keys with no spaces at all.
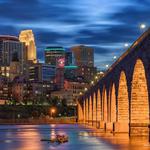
{"x":115,"y":111}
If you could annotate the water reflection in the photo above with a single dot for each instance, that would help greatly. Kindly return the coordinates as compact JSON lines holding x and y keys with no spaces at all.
{"x":28,"y":137}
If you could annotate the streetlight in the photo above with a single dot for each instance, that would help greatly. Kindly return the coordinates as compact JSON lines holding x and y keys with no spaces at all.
{"x":126,"y":45}
{"x":80,"y":93}
{"x":142,"y":26}
{"x":115,"y":57}
{"x":107,"y":66}
{"x":52,"y":111}
{"x":85,"y":89}
{"x":101,"y":73}
{"x":92,"y":82}
{"x":96,"y":77}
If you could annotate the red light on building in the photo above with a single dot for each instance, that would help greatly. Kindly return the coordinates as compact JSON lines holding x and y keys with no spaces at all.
{"x":61,"y":62}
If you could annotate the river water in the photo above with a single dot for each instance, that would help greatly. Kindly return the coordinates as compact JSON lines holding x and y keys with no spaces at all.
{"x":28,"y":137}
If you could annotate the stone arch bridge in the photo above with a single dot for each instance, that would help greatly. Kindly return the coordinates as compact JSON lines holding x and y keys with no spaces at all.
{"x":120,"y":101}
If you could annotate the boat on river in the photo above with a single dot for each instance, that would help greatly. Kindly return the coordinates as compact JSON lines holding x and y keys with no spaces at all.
{"x":57,"y":139}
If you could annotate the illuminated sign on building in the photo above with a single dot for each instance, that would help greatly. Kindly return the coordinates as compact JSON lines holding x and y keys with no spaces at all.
{"x":61,"y":62}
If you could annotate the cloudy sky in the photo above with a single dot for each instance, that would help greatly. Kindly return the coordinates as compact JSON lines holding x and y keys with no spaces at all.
{"x":106,"y":25}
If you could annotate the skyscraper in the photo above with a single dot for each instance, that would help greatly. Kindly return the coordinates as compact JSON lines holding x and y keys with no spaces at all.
{"x":56,"y":56}
{"x":27,"y":37}
{"x":84,"y":56}
{"x":11,"y":49}
{"x":10,"y":46}
{"x":53,"y":54}
{"x":84,"y":59}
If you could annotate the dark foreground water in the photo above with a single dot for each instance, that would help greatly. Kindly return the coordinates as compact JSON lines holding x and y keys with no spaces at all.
{"x":27,"y":137}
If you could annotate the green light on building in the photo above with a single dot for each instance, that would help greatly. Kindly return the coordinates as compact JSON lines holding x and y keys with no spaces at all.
{"x":71,"y":67}
{"x":54,"y":49}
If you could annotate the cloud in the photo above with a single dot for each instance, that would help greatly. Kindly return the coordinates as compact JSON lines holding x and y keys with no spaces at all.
{"x":104,"y":25}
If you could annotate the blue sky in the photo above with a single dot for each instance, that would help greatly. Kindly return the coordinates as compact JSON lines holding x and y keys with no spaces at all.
{"x":103,"y":24}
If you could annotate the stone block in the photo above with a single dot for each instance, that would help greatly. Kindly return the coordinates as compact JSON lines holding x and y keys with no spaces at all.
{"x":109,"y":126}
{"x":121,"y":127}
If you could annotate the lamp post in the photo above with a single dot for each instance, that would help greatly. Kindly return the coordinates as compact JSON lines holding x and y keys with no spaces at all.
{"x":52,"y":111}
{"x":126,"y":45}
{"x":85,"y":89}
{"x":142,"y":26}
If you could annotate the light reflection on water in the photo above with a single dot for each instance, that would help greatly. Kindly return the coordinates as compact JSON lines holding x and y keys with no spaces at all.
{"x":27,"y":137}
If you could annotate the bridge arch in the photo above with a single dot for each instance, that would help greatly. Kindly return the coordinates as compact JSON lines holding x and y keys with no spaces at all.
{"x":90,"y":110}
{"x":86,"y":110}
{"x":94,"y":109}
{"x":123,"y":102}
{"x":99,"y":117}
{"x":80,"y":112}
{"x":104,"y":105}
{"x":139,"y":101}
{"x":113,"y":104}
{"x":122,"y":124}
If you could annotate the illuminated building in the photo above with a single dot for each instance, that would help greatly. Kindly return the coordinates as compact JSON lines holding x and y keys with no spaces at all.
{"x":31,"y":92}
{"x":84,"y":56}
{"x":10,"y":45}
{"x":84,"y":59}
{"x":5,"y":90}
{"x":56,"y":56}
{"x":63,"y":94}
{"x":7,"y":43}
{"x":14,"y":70}
{"x":52,"y":54}
{"x":70,"y":72}
{"x":40,"y":72}
{"x":68,"y":58}
{"x":5,"y":71}
{"x":27,"y":37}
{"x":59,"y":80}
{"x":74,"y":87}
{"x":87,"y":73}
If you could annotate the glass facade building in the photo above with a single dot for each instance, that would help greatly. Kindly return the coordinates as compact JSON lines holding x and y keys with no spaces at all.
{"x":52,"y":54}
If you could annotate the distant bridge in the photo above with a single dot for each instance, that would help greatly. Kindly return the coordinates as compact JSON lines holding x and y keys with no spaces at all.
{"x":120,"y":101}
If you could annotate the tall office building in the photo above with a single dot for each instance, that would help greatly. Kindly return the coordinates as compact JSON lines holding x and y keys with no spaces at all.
{"x":84,"y":56}
{"x":53,"y":54}
{"x":40,"y":72}
{"x":27,"y":37}
{"x":84,"y":59}
{"x":11,"y":48}
{"x":56,"y":56}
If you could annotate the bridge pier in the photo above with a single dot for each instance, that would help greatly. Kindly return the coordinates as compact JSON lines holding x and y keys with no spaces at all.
{"x":94,"y":123}
{"x":98,"y":124}
{"x":103,"y":125}
{"x":139,"y":129}
{"x":109,"y":126}
{"x":90,"y":123}
{"x":121,"y":127}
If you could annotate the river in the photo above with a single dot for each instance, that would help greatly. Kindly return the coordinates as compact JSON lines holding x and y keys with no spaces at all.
{"x":28,"y":137}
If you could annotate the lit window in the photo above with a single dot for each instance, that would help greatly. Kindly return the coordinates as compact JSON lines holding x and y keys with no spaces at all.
{"x":7,"y":74}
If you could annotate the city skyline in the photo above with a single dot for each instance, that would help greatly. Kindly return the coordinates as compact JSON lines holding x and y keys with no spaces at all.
{"x":103,"y":26}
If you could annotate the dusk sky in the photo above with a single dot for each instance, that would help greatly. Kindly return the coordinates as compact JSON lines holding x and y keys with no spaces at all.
{"x":105,"y":25}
